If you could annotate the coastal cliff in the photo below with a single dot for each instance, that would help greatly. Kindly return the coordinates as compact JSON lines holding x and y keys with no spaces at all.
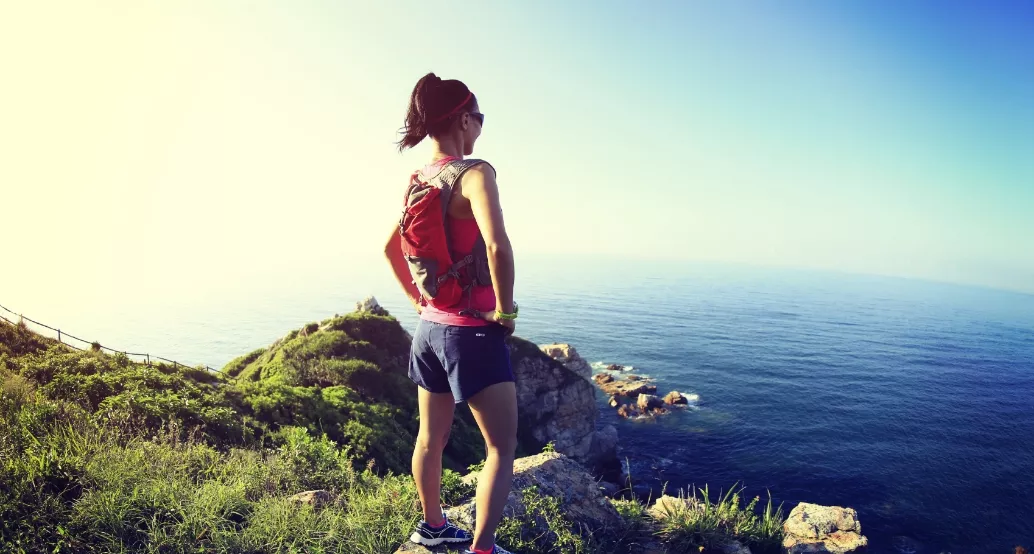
{"x":304,"y":445}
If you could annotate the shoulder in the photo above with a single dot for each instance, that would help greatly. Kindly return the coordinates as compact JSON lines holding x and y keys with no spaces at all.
{"x":479,"y":176}
{"x":479,"y":169}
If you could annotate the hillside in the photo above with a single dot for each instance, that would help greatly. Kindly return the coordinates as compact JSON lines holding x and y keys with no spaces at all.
{"x":102,"y":454}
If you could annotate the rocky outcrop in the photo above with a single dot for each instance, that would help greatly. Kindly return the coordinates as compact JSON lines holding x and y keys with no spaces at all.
{"x":556,"y":475}
{"x":811,"y":528}
{"x":551,"y":474}
{"x":557,"y":404}
{"x":631,"y":388}
{"x":640,"y":392}
{"x":370,"y":305}
{"x":567,"y":355}
{"x":675,"y":397}
{"x":647,"y":402}
{"x":627,"y":411}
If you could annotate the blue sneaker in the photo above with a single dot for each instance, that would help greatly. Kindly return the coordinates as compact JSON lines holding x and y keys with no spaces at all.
{"x":495,"y":550}
{"x":448,"y":533}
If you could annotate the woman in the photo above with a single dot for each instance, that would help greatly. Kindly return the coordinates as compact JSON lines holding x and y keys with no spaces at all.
{"x":459,"y":352}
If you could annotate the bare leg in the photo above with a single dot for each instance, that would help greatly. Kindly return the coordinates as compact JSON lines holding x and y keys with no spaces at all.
{"x":436,"y":412}
{"x":495,"y":410}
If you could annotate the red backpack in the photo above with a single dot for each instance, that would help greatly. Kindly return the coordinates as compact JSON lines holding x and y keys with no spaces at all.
{"x":441,"y":278}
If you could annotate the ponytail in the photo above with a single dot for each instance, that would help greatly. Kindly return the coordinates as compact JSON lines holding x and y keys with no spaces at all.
{"x":431,"y":106}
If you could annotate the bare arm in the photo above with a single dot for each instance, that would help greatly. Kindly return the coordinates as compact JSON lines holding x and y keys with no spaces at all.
{"x":399,"y":266}
{"x":479,"y":187}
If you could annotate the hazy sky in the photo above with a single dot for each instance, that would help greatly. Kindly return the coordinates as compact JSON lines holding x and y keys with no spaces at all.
{"x":214,"y":141}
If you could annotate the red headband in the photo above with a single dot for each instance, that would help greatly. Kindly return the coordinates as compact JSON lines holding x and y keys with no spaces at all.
{"x":454,"y":110}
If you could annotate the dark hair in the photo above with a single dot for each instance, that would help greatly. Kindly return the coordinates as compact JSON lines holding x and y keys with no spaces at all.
{"x":431,"y":106}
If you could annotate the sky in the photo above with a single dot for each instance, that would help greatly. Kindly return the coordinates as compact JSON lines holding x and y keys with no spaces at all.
{"x":185,"y":147}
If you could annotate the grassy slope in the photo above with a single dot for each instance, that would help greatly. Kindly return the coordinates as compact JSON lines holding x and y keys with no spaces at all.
{"x":100,"y":454}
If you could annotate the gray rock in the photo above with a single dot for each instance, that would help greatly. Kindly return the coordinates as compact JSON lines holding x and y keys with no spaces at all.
{"x":607,"y":442}
{"x":567,"y":355}
{"x":675,"y":397}
{"x":811,"y":528}
{"x":316,"y":498}
{"x":609,"y":489}
{"x":625,"y":386}
{"x":555,"y":475}
{"x":370,"y":305}
{"x":735,"y":547}
{"x":649,"y":402}
{"x":558,"y":405}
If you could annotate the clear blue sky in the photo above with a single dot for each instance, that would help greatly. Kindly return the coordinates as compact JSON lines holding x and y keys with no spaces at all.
{"x":879,"y":137}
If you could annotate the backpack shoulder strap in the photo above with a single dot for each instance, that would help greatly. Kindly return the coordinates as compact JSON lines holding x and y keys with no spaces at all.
{"x":452,"y":171}
{"x":448,"y":176}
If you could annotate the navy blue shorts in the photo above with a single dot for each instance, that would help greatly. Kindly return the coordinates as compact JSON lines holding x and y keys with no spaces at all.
{"x":460,"y":360}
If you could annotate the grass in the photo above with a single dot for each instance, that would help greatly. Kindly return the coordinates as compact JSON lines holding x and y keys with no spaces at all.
{"x":696,"y":523}
{"x":78,"y":488}
{"x":100,"y":454}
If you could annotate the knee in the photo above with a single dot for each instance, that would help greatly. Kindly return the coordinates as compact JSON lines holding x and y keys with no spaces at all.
{"x":504,"y":447}
{"x":431,"y":443}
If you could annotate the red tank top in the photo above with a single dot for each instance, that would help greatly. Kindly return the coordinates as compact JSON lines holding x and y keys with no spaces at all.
{"x":463,"y":233}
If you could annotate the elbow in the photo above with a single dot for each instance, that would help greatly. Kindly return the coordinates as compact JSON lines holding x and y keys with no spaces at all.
{"x":499,"y":249}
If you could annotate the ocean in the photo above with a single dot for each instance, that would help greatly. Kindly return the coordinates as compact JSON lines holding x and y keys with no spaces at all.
{"x":910,"y":401}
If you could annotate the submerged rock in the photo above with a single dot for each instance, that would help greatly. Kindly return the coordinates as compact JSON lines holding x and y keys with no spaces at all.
{"x":627,"y":411}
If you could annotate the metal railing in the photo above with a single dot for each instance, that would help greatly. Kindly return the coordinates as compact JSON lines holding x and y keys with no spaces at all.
{"x":93,"y":345}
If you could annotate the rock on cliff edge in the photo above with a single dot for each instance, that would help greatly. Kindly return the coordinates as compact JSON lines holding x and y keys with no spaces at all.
{"x":557,"y":403}
{"x":551,"y":474}
{"x":823,"y":529}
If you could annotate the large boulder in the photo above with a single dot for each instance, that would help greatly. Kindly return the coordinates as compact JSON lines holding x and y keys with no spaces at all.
{"x":556,"y":475}
{"x":811,"y":528}
{"x":551,"y":474}
{"x":647,"y":402}
{"x":675,"y":397}
{"x":557,"y":404}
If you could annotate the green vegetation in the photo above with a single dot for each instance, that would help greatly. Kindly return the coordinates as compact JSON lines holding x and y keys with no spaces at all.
{"x":102,"y":454}
{"x":688,"y":526}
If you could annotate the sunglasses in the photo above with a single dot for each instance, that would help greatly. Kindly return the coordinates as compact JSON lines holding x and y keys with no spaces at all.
{"x":478,"y":116}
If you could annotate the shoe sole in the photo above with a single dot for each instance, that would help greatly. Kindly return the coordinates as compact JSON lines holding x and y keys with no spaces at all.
{"x":416,"y":538}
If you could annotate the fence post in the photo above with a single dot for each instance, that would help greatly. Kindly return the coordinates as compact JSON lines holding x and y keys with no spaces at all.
{"x":59,"y":335}
{"x":148,"y":359}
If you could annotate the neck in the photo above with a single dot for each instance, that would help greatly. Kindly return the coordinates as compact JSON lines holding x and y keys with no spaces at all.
{"x":447,"y":146}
